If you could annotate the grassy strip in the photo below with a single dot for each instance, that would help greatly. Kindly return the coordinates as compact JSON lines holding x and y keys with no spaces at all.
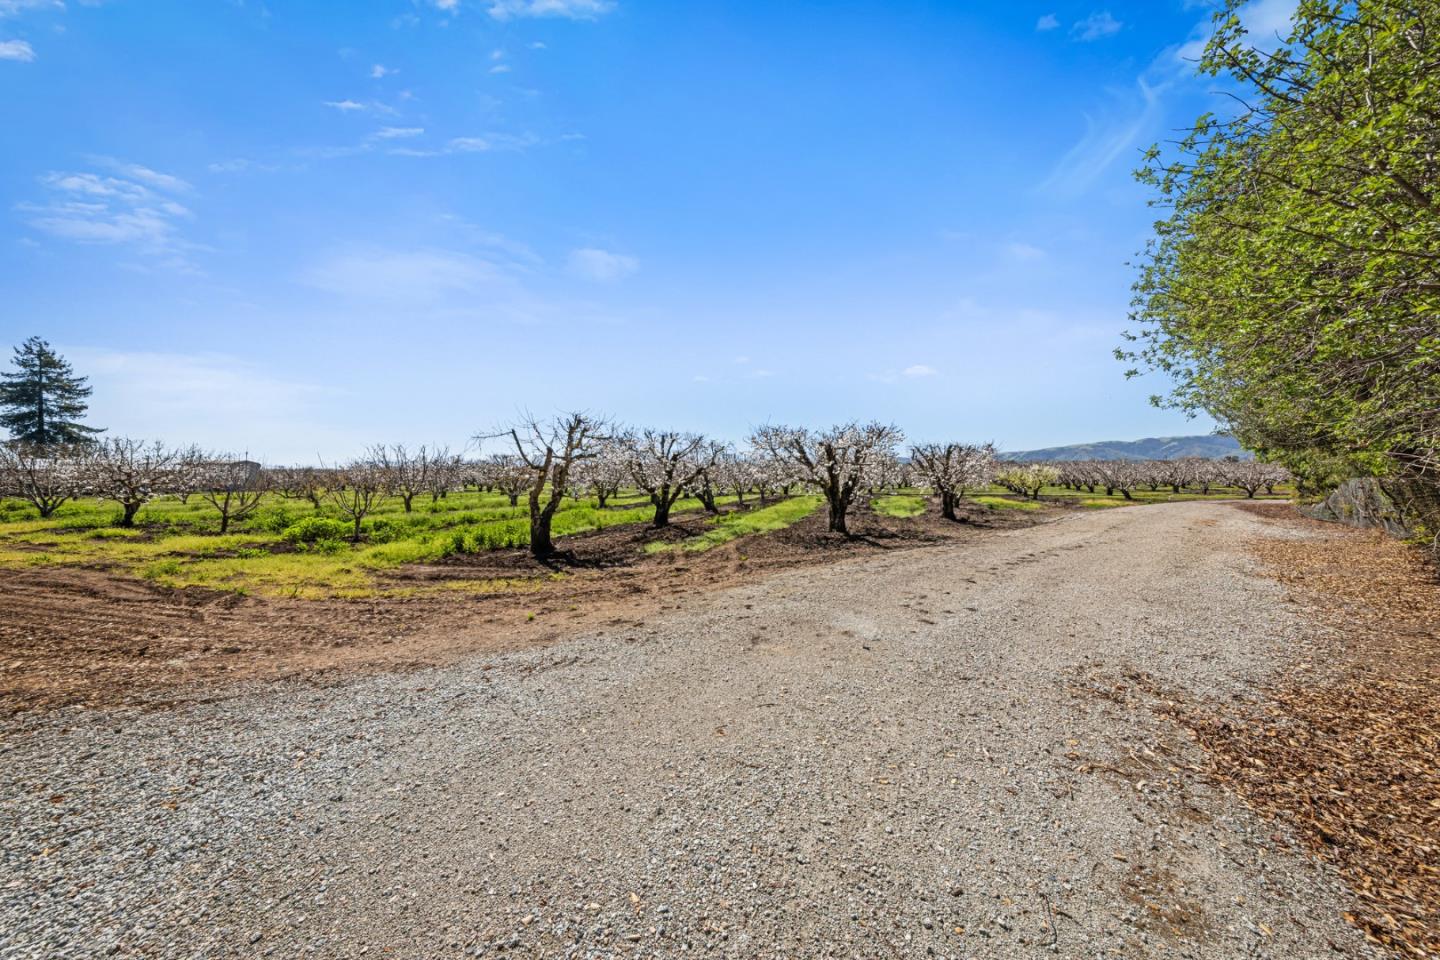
{"x":171,"y":550}
{"x":1004,"y":503}
{"x":898,"y":506}
{"x":732,"y":526}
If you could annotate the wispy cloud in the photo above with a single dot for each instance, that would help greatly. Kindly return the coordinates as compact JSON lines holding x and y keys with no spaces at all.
{"x":422,"y":277}
{"x":136,"y":207}
{"x":1267,"y":23}
{"x":482,"y":144}
{"x":1047,"y":22}
{"x":489,"y":282}
{"x":147,"y":176}
{"x":500,"y":68}
{"x":916,"y":371}
{"x":1021,"y":250}
{"x":216,"y":400}
{"x":1131,"y":116}
{"x":13,"y":8}
{"x":241,"y":165}
{"x":603,"y":266}
{"x":380,"y":71}
{"x":345,"y":106}
{"x":17,"y":50}
{"x":569,"y":9}
{"x":1095,"y":26}
{"x":1116,"y":131}
{"x":398,"y":133}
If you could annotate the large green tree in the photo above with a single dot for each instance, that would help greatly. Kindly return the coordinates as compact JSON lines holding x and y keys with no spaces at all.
{"x":1293,"y":290}
{"x":42,"y":400}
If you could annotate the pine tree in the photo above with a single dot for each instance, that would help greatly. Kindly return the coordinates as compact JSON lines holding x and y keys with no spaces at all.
{"x":42,"y":400}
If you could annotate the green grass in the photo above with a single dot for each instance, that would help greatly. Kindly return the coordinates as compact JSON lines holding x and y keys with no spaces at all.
{"x":177,"y":544}
{"x":1005,"y":503}
{"x":900,"y":505}
{"x":732,"y":526}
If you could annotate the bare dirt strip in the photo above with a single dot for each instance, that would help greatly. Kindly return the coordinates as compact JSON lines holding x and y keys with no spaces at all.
{"x":89,"y":636}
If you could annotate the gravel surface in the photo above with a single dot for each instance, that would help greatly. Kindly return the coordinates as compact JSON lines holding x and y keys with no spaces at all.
{"x":947,"y":751}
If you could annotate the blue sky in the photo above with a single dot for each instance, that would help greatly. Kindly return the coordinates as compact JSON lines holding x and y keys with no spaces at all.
{"x":294,"y":229}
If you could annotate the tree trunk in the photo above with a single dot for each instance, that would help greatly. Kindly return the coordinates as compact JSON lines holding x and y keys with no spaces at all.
{"x":600,"y":498}
{"x":407,"y":497}
{"x":355,"y":537}
{"x":541,"y":545}
{"x":131,"y":508}
{"x":224,"y":523}
{"x":514,"y":499}
{"x":662,"y":508}
{"x":837,"y":517}
{"x":947,"y":505}
{"x":739,"y":496}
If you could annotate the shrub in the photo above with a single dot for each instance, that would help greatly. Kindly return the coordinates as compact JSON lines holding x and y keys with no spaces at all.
{"x":273,"y":520}
{"x":387,"y":530}
{"x":312,"y":529}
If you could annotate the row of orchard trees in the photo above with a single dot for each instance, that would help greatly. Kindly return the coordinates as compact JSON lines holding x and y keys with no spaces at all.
{"x":541,"y":461}
{"x":544,"y":460}
{"x":1126,"y":476}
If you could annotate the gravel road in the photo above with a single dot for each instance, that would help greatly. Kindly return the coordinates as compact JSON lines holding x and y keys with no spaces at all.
{"x":948,"y":751}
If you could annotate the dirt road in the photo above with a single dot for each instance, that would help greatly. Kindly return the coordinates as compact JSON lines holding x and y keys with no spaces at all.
{"x":948,"y":751}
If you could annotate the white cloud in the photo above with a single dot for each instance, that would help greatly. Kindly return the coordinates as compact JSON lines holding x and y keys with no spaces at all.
{"x":1106,"y":139}
{"x":1047,"y":22}
{"x":418,"y":276}
{"x":153,"y":178}
{"x":1268,"y":21}
{"x":452,"y":285}
{"x":488,"y":143}
{"x":1021,"y":250}
{"x":570,"y":9}
{"x":537,"y":45}
{"x":241,"y":165}
{"x":13,"y":8}
{"x":500,"y":68}
{"x":17,"y":50}
{"x":380,"y":71}
{"x":602,"y":265}
{"x":1095,"y":26}
{"x":398,"y":133}
{"x":132,"y":210}
{"x":919,"y":370}
{"x":345,"y":106}
{"x":218,"y":401}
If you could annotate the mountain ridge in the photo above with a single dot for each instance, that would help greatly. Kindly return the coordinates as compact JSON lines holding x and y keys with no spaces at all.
{"x":1212,"y":446}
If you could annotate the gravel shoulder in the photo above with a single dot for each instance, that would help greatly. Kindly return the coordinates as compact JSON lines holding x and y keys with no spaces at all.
{"x":947,"y":751}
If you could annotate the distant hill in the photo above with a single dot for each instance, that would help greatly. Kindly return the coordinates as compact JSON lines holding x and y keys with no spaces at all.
{"x":1211,"y":446}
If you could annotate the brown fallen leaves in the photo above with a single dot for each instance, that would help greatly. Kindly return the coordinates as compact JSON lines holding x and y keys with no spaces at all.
{"x":1345,"y":748}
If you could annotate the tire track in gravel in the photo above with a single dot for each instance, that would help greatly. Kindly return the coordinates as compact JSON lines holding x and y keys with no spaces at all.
{"x":896,"y":756}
